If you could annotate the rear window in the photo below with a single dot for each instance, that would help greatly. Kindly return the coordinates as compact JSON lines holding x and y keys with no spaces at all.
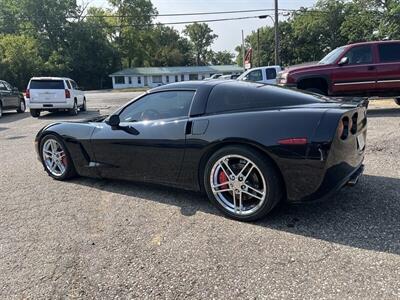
{"x":47,"y":85}
{"x":389,"y":52}
{"x":248,"y":96}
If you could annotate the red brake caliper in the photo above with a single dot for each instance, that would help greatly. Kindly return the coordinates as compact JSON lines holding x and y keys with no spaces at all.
{"x":222,"y":179}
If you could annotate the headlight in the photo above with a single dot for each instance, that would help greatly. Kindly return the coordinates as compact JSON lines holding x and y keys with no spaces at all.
{"x":282,"y":77}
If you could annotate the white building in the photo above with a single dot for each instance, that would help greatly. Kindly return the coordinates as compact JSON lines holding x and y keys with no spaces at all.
{"x":155,"y":76}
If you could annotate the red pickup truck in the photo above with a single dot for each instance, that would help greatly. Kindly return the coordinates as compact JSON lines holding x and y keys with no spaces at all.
{"x":363,"y":69}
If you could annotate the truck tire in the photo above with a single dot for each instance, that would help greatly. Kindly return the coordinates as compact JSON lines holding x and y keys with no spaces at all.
{"x":35,"y":113}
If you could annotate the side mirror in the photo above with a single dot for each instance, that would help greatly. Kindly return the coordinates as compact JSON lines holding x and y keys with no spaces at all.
{"x":114,"y":121}
{"x":343,"y":61}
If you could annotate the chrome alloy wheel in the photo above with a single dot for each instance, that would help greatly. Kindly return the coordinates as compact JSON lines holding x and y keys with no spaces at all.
{"x":238,"y":185}
{"x":54,"y":157}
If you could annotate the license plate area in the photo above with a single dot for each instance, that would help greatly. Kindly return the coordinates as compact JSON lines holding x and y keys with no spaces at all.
{"x":361,"y":142}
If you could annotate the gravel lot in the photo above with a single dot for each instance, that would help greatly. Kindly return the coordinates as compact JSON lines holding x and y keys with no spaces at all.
{"x":90,"y":238}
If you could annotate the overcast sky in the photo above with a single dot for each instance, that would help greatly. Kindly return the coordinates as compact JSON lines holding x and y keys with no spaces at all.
{"x":229,"y":32}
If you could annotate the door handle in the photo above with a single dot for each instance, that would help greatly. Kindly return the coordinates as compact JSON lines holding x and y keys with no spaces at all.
{"x":371,"y":68}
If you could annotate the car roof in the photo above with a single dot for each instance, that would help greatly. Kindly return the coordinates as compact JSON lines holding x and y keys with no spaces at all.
{"x":50,"y":78}
{"x":374,"y":42}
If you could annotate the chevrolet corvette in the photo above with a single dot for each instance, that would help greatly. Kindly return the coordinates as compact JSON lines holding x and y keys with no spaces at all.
{"x":248,"y":146}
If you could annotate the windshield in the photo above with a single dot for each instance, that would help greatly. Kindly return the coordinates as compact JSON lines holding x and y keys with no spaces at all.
{"x":332,"y":56}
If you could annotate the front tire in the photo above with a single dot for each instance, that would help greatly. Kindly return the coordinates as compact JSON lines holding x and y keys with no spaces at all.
{"x":84,"y":107}
{"x":397,"y":100}
{"x":55,"y":158}
{"x":22,"y":107}
{"x":242,"y":183}
{"x":35,"y":113}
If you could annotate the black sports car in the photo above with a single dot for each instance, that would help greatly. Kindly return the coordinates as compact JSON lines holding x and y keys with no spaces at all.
{"x":247,"y":145}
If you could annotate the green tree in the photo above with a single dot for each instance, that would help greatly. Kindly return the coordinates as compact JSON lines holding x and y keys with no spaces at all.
{"x":19,"y":59}
{"x":201,"y":37}
{"x":222,"y":58}
{"x":134,"y":19}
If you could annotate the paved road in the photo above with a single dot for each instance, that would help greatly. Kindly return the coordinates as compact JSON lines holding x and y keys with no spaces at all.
{"x":106,"y":239}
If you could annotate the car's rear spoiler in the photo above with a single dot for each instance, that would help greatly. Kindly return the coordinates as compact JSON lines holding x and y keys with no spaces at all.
{"x":359,"y":101}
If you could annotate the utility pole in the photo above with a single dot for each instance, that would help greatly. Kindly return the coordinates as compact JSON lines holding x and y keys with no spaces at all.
{"x":258,"y":48}
{"x":243,"y":52}
{"x":276,"y":34}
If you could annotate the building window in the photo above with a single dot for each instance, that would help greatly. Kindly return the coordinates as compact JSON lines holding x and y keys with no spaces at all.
{"x":157,"y":79}
{"x":167,"y":79}
{"x":176,"y":78}
{"x":182,"y":77}
{"x":193,"y":77}
{"x":119,"y":80}
{"x":130,"y":80}
{"x":139,"y":80}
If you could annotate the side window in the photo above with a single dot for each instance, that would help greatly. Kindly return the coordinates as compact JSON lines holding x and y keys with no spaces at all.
{"x":68,"y":84}
{"x":360,"y":55}
{"x":8,"y":86}
{"x":389,"y":52}
{"x":255,"y":75}
{"x":2,"y":87}
{"x":74,"y":85}
{"x":158,"y":106}
{"x":139,"y":80}
{"x":271,"y":73}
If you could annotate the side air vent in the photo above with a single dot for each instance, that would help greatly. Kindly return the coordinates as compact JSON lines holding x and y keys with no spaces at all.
{"x":354,"y":123}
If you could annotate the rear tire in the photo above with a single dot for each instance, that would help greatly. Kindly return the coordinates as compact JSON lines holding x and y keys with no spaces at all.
{"x":253,"y":189}
{"x":74,"y":110}
{"x":63,"y":168}
{"x":397,"y":100}
{"x":22,"y":107}
{"x":35,"y":113}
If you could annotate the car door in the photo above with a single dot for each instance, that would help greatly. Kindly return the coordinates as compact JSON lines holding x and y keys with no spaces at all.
{"x":76,"y":92}
{"x":6,"y":96}
{"x":270,"y":75}
{"x":255,"y":76}
{"x":388,"y":69}
{"x":149,"y":144}
{"x":358,"y":75}
{"x":14,"y":95}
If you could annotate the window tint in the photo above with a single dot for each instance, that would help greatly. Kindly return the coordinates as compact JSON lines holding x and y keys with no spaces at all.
{"x":255,"y":75}
{"x":157,"y":106}
{"x":119,"y":79}
{"x":47,"y":85}
{"x":271,"y":73}
{"x":359,"y":55}
{"x":74,"y":85}
{"x":223,"y":98}
{"x":389,"y":52}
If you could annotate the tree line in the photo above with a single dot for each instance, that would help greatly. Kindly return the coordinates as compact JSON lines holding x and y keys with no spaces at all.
{"x":309,"y":34}
{"x":62,"y":38}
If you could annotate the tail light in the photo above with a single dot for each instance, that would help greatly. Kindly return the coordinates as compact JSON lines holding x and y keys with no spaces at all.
{"x":293,"y":141}
{"x":27,"y":94}
{"x":67,"y":94}
{"x":354,"y":120}
{"x":344,"y":127}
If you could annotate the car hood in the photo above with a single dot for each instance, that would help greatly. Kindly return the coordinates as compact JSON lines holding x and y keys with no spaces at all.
{"x":305,"y":67}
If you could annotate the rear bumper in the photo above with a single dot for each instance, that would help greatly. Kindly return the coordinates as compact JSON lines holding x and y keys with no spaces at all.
{"x":50,"y":105}
{"x":334,"y":181}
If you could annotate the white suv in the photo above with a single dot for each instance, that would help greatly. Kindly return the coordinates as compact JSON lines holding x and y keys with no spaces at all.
{"x":54,"y":94}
